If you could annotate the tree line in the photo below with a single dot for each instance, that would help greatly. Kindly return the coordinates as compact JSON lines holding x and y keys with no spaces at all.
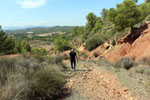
{"x":10,"y":46}
{"x":111,"y":21}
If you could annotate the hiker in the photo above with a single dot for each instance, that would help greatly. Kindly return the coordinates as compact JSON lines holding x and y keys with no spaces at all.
{"x":73,"y":58}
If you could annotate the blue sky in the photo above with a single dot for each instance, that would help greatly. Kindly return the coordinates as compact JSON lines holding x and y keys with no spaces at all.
{"x":50,"y":12}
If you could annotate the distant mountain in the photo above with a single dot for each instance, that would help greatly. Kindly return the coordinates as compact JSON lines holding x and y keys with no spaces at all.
{"x":38,"y":29}
{"x":22,"y":27}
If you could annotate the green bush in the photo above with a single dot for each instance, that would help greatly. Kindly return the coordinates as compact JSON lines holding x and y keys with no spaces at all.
{"x":11,"y":46}
{"x":39,"y":51}
{"x":25,"y":78}
{"x":124,"y":63}
{"x":47,"y":84}
{"x":92,"y":43}
{"x":17,"y":48}
{"x":25,"y":46}
{"x":61,"y":44}
{"x":6,"y":44}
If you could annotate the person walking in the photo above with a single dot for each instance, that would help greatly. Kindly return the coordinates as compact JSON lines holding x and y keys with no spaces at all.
{"x":73,"y":58}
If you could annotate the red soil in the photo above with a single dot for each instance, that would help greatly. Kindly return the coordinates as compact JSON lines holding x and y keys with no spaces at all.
{"x":128,"y":46}
{"x":11,"y":56}
{"x":97,"y":84}
{"x":139,"y":48}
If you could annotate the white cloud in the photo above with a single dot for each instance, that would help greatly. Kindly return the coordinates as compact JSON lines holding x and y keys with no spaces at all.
{"x":31,"y":3}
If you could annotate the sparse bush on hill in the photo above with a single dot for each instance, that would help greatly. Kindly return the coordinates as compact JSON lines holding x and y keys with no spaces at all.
{"x":82,"y":55}
{"x":58,"y":59}
{"x":147,"y":71}
{"x":17,"y":47}
{"x":95,"y":54}
{"x":93,"y":42}
{"x":101,"y":61}
{"x":47,"y":84}
{"x":61,"y":43}
{"x":145,"y":60}
{"x":133,"y":58}
{"x":25,"y":78}
{"x":25,"y":46}
{"x":39,"y":51}
{"x":143,"y":69}
{"x":140,"y":70}
{"x":124,"y":63}
{"x":77,"y":31}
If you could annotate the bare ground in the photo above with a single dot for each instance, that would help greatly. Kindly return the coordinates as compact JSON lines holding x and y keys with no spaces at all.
{"x":90,"y":82}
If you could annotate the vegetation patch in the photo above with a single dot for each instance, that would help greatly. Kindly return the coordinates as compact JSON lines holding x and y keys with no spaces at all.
{"x":26,"y":78}
{"x":39,"y":51}
{"x":145,"y":60}
{"x":92,"y":43}
{"x":61,"y":43}
{"x":124,"y":63}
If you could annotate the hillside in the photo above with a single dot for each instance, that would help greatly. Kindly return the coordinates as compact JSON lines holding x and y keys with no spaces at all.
{"x":136,"y":44}
{"x":111,"y":59}
{"x":139,"y":47}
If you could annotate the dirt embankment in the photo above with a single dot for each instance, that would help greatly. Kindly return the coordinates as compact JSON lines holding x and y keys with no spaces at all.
{"x":136,"y":44}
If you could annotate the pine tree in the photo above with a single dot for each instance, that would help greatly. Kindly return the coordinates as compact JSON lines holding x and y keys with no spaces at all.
{"x":125,"y":15}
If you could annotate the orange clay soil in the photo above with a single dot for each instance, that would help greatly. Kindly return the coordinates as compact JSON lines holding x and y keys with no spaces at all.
{"x":139,"y":48}
{"x":97,"y":84}
{"x":11,"y":56}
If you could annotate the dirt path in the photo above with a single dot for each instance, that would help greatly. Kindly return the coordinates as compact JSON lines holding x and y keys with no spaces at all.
{"x":89,"y":82}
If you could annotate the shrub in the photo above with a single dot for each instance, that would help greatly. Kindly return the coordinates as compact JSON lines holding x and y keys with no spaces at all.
{"x":92,"y":43}
{"x":124,"y":63}
{"x":6,"y":66}
{"x":29,"y":63}
{"x":140,"y":70}
{"x":24,"y":78}
{"x":82,"y":55}
{"x":39,"y":51}
{"x":95,"y":54}
{"x":133,"y":58}
{"x":25,"y":46}
{"x":58,"y":59}
{"x":10,"y":63}
{"x":47,"y":84}
{"x":17,"y":47}
{"x":55,"y":60}
{"x":6,"y":43}
{"x":101,"y":61}
{"x":101,"y":58}
{"x":147,"y":71}
{"x":145,"y":60}
{"x":61,"y":44}
{"x":65,"y":57}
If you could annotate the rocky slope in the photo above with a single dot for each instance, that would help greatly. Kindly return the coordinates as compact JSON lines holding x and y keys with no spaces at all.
{"x":136,"y":44}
